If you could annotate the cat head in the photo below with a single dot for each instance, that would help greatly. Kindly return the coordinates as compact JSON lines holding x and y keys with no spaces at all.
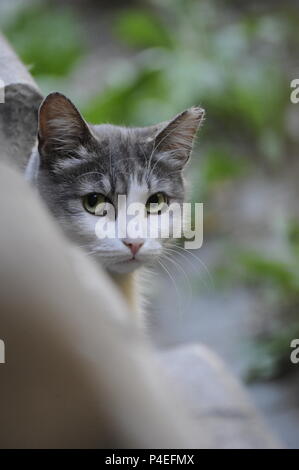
{"x":85,"y":168}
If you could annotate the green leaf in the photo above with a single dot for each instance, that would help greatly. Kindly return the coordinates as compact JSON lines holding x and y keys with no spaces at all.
{"x":142,"y":29}
{"x":120,"y":104}
{"x":275,"y":272}
{"x":293,"y":237}
{"x":221,"y":165}
{"x":46,"y":38}
{"x":271,"y":355}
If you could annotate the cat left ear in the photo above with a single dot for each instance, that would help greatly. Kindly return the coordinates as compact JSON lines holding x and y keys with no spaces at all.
{"x":177,"y":136}
{"x":61,"y":127}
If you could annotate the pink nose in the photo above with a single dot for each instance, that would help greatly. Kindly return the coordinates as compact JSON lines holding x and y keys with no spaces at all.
{"x":134,"y":247}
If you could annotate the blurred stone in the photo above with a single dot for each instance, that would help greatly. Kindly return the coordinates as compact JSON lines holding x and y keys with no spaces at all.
{"x":18,"y":113}
{"x":215,"y":400}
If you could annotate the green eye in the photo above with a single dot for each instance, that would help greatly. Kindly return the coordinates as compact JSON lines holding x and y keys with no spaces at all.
{"x":94,"y":203}
{"x":155,"y":203}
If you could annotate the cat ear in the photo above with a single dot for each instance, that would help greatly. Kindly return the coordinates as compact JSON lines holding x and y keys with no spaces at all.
{"x":61,"y":128}
{"x":177,"y":136}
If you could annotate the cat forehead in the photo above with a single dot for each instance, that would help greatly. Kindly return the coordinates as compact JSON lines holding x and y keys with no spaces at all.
{"x":117,"y":160}
{"x":119,"y":182}
{"x":118,"y":136}
{"x":137,"y":187}
{"x":124,"y":149}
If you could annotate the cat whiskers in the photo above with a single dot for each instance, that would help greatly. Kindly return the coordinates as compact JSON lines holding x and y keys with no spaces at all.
{"x":174,"y":284}
{"x":185,"y":255}
{"x":185,"y":275}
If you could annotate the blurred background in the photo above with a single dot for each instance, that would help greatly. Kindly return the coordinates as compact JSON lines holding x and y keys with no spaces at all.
{"x":140,"y":62}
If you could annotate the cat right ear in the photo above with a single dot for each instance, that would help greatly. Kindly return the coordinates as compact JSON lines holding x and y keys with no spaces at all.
{"x":177,"y":136}
{"x":61,"y":128}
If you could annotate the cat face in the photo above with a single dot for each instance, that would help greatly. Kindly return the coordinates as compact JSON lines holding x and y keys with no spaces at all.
{"x":84,"y":169}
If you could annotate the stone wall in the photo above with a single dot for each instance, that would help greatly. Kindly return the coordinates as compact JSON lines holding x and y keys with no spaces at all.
{"x":18,"y":113}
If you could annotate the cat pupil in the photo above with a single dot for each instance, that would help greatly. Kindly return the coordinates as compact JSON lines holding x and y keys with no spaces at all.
{"x":154,"y":199}
{"x":92,"y":199}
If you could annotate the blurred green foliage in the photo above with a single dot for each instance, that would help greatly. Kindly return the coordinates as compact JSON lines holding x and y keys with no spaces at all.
{"x":189,"y":54}
{"x":270,"y":356}
{"x":293,"y":237}
{"x":46,"y":37}
{"x":220,"y":165}
{"x":122,"y":103}
{"x":142,"y":29}
{"x":276,"y":284}
{"x":278,"y":275}
{"x":186,"y":52}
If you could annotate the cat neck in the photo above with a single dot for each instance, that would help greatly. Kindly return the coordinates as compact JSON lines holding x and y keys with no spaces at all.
{"x":128,"y":286}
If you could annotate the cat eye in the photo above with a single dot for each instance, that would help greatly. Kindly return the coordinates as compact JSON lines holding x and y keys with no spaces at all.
{"x":155,"y":203}
{"x":94,"y":203}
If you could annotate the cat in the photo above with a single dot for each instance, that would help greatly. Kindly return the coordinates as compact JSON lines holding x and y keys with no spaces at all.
{"x":78,"y":168}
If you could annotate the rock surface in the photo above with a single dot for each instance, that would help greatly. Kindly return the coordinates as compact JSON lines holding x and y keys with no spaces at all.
{"x":215,"y":400}
{"x":18,"y":113}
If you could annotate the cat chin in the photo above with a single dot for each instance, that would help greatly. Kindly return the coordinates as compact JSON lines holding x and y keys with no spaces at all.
{"x":124,"y":267}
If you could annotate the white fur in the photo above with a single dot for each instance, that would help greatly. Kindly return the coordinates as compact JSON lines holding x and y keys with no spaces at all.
{"x":113,"y":254}
{"x":31,"y":171}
